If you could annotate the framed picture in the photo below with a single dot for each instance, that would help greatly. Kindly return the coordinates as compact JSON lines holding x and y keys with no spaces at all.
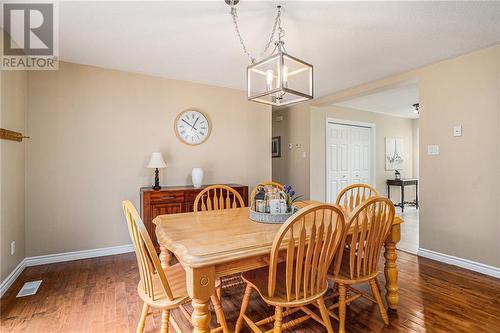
{"x":276,"y":146}
{"x":394,"y":153}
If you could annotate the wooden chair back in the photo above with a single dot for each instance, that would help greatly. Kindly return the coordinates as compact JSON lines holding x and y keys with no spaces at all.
{"x":217,"y":197}
{"x":312,"y":238}
{"x":371,"y":224}
{"x":352,"y":196}
{"x":254,"y":190}
{"x":147,"y":259}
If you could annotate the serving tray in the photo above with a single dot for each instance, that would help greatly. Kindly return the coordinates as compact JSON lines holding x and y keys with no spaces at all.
{"x":271,"y":218}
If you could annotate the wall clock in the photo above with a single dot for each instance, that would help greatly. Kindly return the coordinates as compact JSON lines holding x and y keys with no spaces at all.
{"x":192,"y":127}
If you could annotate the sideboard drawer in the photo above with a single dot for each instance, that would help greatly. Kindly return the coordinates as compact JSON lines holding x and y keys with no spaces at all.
{"x":167,"y":196}
{"x":191,"y":195}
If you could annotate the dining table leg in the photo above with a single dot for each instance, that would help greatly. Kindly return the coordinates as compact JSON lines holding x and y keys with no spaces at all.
{"x":165,"y":257}
{"x":390,"y":268}
{"x":200,"y":286}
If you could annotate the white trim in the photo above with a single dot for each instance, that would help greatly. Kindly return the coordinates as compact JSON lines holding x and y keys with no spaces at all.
{"x":349,"y":122}
{"x":61,"y":257}
{"x":77,"y":255}
{"x":460,"y":262}
{"x":9,"y":280}
{"x":373,"y":129}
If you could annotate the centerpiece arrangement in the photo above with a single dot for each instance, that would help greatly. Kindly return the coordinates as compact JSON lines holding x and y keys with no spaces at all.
{"x":273,"y":205}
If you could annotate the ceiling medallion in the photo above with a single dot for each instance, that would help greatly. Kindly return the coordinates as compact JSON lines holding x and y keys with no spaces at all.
{"x":279,"y":79}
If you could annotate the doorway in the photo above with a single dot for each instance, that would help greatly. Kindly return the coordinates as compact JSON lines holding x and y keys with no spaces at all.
{"x":350,"y":157}
{"x":395,"y":110}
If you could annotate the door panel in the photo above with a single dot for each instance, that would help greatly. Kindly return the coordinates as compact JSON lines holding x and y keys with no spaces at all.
{"x":337,"y":160}
{"x":348,"y":157}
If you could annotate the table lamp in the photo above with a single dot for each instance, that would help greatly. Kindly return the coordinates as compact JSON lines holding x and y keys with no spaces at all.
{"x":157,"y":162}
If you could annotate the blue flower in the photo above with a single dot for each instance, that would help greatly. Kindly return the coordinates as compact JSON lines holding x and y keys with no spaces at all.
{"x":288,"y":188}
{"x":292,"y":193}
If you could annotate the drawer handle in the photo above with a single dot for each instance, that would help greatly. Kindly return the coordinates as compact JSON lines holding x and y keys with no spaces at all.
{"x":169,"y":197}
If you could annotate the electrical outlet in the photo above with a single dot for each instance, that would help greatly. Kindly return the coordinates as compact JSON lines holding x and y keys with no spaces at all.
{"x":12,"y":248}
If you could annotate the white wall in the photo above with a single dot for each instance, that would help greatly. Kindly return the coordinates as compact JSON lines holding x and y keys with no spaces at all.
{"x":293,"y":165}
{"x":13,"y":97}
{"x":93,"y":131}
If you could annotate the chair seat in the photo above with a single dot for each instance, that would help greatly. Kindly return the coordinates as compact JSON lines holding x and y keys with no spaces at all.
{"x":176,"y":277}
{"x":258,"y":279}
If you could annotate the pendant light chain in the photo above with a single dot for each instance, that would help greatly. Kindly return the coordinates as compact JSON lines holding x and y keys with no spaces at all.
{"x":277,"y":25}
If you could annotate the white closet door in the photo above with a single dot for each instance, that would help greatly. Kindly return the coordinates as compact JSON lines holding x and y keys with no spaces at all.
{"x":348,"y":157}
{"x":337,"y":160}
{"x":360,"y":155}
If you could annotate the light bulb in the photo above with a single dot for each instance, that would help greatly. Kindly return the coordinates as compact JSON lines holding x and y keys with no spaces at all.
{"x":269,"y":79}
{"x":285,"y":76}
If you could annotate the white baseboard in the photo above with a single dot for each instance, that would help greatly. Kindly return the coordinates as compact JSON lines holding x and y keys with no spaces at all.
{"x":460,"y":262}
{"x":61,"y":257}
{"x":77,"y":255}
{"x":9,"y":280}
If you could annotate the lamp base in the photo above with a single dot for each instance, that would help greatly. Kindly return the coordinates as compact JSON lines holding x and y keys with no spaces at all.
{"x":157,"y":186}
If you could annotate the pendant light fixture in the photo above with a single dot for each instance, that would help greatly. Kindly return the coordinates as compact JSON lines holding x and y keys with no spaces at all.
{"x":278,"y":79}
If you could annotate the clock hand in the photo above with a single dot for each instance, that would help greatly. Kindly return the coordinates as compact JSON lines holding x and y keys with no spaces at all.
{"x":195,"y":123}
{"x":187,"y":123}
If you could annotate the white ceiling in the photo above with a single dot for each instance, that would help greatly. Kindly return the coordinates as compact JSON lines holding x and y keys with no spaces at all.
{"x":395,"y":102}
{"x":349,"y":43}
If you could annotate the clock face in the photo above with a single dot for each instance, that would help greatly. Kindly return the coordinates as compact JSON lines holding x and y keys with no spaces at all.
{"x":192,"y":127}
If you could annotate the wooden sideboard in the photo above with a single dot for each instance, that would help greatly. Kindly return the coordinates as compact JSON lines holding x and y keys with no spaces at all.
{"x":172,"y":200}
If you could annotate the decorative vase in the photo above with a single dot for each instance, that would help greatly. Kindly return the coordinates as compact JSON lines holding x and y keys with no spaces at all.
{"x":197,"y":177}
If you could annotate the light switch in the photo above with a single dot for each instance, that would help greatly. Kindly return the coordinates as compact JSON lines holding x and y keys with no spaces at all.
{"x":304,"y":155}
{"x":290,"y":145}
{"x":457,"y":130}
{"x":432,"y":150}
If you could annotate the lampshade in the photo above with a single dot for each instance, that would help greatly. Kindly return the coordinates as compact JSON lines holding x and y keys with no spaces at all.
{"x":156,"y":161}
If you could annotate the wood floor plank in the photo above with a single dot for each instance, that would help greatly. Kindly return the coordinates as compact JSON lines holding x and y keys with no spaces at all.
{"x":100,"y":295}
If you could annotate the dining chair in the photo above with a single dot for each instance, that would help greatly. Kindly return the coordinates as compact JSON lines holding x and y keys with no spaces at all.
{"x":369,"y":225}
{"x":217,"y":197}
{"x":352,"y":196}
{"x":159,"y":288}
{"x":305,"y":244}
{"x":254,"y":190}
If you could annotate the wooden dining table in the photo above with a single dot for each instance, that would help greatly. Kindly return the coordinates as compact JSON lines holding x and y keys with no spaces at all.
{"x":213,"y":244}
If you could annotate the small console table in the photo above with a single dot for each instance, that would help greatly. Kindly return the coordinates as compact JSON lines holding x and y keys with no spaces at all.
{"x":402,"y":183}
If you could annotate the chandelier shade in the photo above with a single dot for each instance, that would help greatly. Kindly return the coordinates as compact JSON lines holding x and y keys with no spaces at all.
{"x":280,"y":80}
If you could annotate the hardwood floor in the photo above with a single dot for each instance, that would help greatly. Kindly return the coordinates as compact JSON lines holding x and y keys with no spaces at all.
{"x":409,"y":229}
{"x":99,"y":295}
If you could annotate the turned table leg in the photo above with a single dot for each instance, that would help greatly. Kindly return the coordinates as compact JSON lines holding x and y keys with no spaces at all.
{"x":165,"y":256}
{"x":200,"y":286}
{"x":390,"y":268}
{"x":201,"y":316}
